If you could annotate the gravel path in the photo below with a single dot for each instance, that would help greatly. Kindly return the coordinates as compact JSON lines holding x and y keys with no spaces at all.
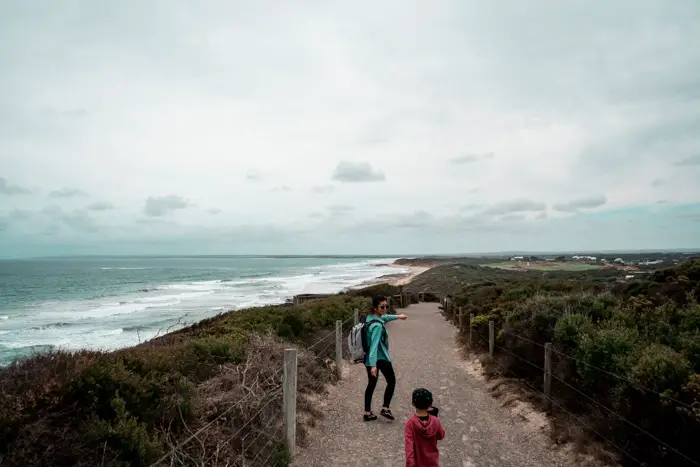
{"x":480,"y":432}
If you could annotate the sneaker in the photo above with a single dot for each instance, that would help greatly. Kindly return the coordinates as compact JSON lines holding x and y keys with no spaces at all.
{"x":369,"y":418}
{"x":386,"y":413}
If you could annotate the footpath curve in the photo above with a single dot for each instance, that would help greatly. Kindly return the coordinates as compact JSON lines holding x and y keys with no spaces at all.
{"x":480,"y":432}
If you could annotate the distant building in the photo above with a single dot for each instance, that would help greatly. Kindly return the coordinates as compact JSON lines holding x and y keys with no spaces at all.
{"x":619,"y":260}
{"x":584,"y":258}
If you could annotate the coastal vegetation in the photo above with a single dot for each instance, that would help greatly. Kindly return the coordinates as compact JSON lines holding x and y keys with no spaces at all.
{"x":131,"y":406}
{"x":626,"y":357}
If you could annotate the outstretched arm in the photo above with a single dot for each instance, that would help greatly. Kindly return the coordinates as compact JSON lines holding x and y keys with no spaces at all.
{"x":387,"y":318}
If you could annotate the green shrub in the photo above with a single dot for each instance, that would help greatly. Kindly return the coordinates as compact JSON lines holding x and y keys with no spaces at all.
{"x":482,"y":320}
{"x":570,"y":328}
{"x":127,"y":436}
{"x":608,"y":349}
{"x":659,"y":368}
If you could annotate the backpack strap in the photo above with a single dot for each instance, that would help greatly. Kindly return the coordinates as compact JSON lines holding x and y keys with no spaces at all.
{"x":381,"y":323}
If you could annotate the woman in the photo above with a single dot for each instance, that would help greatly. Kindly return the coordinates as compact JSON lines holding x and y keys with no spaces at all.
{"x":377,"y":358}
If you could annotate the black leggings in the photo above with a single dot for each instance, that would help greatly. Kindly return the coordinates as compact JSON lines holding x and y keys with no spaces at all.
{"x":388,"y":372}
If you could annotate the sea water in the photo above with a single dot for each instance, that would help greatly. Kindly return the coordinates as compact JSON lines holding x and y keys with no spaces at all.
{"x":112,"y":302}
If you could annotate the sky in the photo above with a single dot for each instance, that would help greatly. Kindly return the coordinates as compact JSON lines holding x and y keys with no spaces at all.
{"x":322,"y":127}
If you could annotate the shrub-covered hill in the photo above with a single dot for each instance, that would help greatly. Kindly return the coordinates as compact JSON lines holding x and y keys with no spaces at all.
{"x":626,"y":355}
{"x":129,"y":407}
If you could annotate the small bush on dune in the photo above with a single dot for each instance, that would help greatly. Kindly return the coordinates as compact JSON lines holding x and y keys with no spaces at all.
{"x":386,"y":290}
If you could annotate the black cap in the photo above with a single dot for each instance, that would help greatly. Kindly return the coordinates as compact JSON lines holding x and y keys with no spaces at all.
{"x":422,"y":398}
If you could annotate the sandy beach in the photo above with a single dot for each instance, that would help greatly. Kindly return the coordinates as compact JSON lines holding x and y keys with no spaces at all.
{"x":409,"y":276}
{"x":400,"y":278}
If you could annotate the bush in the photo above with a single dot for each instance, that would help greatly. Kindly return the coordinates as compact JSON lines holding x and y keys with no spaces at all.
{"x":126,"y":408}
{"x":635,"y":348}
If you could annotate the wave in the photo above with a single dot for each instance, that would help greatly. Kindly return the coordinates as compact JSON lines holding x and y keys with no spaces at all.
{"x":124,"y":320}
{"x":122,"y":269}
{"x":4,"y":318}
{"x":51,"y":325}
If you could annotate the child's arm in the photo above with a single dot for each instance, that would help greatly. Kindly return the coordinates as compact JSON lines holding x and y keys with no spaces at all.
{"x":408,"y":440}
{"x":441,"y":432}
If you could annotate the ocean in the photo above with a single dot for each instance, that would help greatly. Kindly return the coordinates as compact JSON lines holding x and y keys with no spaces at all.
{"x":113,"y":302}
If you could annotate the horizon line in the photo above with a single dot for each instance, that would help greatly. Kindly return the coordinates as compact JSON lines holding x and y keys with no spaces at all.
{"x":369,"y":256}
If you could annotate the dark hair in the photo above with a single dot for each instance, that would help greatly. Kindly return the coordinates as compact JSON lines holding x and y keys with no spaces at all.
{"x":377,"y":300}
{"x":422,"y":398}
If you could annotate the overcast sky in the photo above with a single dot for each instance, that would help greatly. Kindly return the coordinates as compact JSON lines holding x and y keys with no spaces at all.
{"x":240,"y":127}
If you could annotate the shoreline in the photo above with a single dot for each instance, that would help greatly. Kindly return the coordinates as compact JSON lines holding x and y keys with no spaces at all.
{"x":396,"y":280}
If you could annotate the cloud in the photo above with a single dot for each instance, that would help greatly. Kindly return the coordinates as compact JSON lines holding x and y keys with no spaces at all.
{"x":581,"y":203}
{"x":657,"y":182}
{"x":472,"y":207}
{"x":160,"y":206}
{"x":101,"y":206}
{"x":20,"y":214}
{"x":518,"y":205}
{"x":357,"y":172}
{"x":465,"y":159}
{"x":322,"y":189}
{"x":569,"y":108}
{"x":67,"y":193}
{"x":341,"y":208}
{"x":8,"y":189}
{"x":470,"y":158}
{"x":689,"y":161}
{"x":214,"y":211}
{"x":281,"y":189}
{"x":416,"y":220}
{"x":75,"y":220}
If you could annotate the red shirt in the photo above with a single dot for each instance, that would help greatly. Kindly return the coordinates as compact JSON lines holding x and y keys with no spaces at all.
{"x":421,"y":439}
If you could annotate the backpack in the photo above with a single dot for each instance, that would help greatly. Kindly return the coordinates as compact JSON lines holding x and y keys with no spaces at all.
{"x":358,"y":340}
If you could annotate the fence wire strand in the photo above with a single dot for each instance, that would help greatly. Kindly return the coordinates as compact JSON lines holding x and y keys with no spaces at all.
{"x":483,"y":341}
{"x":274,"y":393}
{"x":576,"y":418}
{"x":632,"y":424}
{"x":621,"y":378}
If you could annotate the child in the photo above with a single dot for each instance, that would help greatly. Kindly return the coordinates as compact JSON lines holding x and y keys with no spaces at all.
{"x":422,"y":432}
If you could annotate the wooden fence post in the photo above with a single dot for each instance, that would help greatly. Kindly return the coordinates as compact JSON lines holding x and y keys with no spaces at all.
{"x":461,"y":319}
{"x":492,"y":337}
{"x":339,"y":347}
{"x":548,"y":376}
{"x":471,"y":330}
{"x":289,"y":400}
{"x":356,"y":317}
{"x":455,"y":317}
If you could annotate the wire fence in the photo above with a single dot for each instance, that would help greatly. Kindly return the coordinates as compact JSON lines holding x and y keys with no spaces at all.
{"x":258,"y":429}
{"x":566,"y":396}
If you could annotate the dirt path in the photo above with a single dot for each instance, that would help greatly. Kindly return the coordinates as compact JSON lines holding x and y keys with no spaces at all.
{"x":480,"y":432}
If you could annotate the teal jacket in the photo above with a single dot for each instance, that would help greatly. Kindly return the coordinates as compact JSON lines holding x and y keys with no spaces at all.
{"x":378,"y":339}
